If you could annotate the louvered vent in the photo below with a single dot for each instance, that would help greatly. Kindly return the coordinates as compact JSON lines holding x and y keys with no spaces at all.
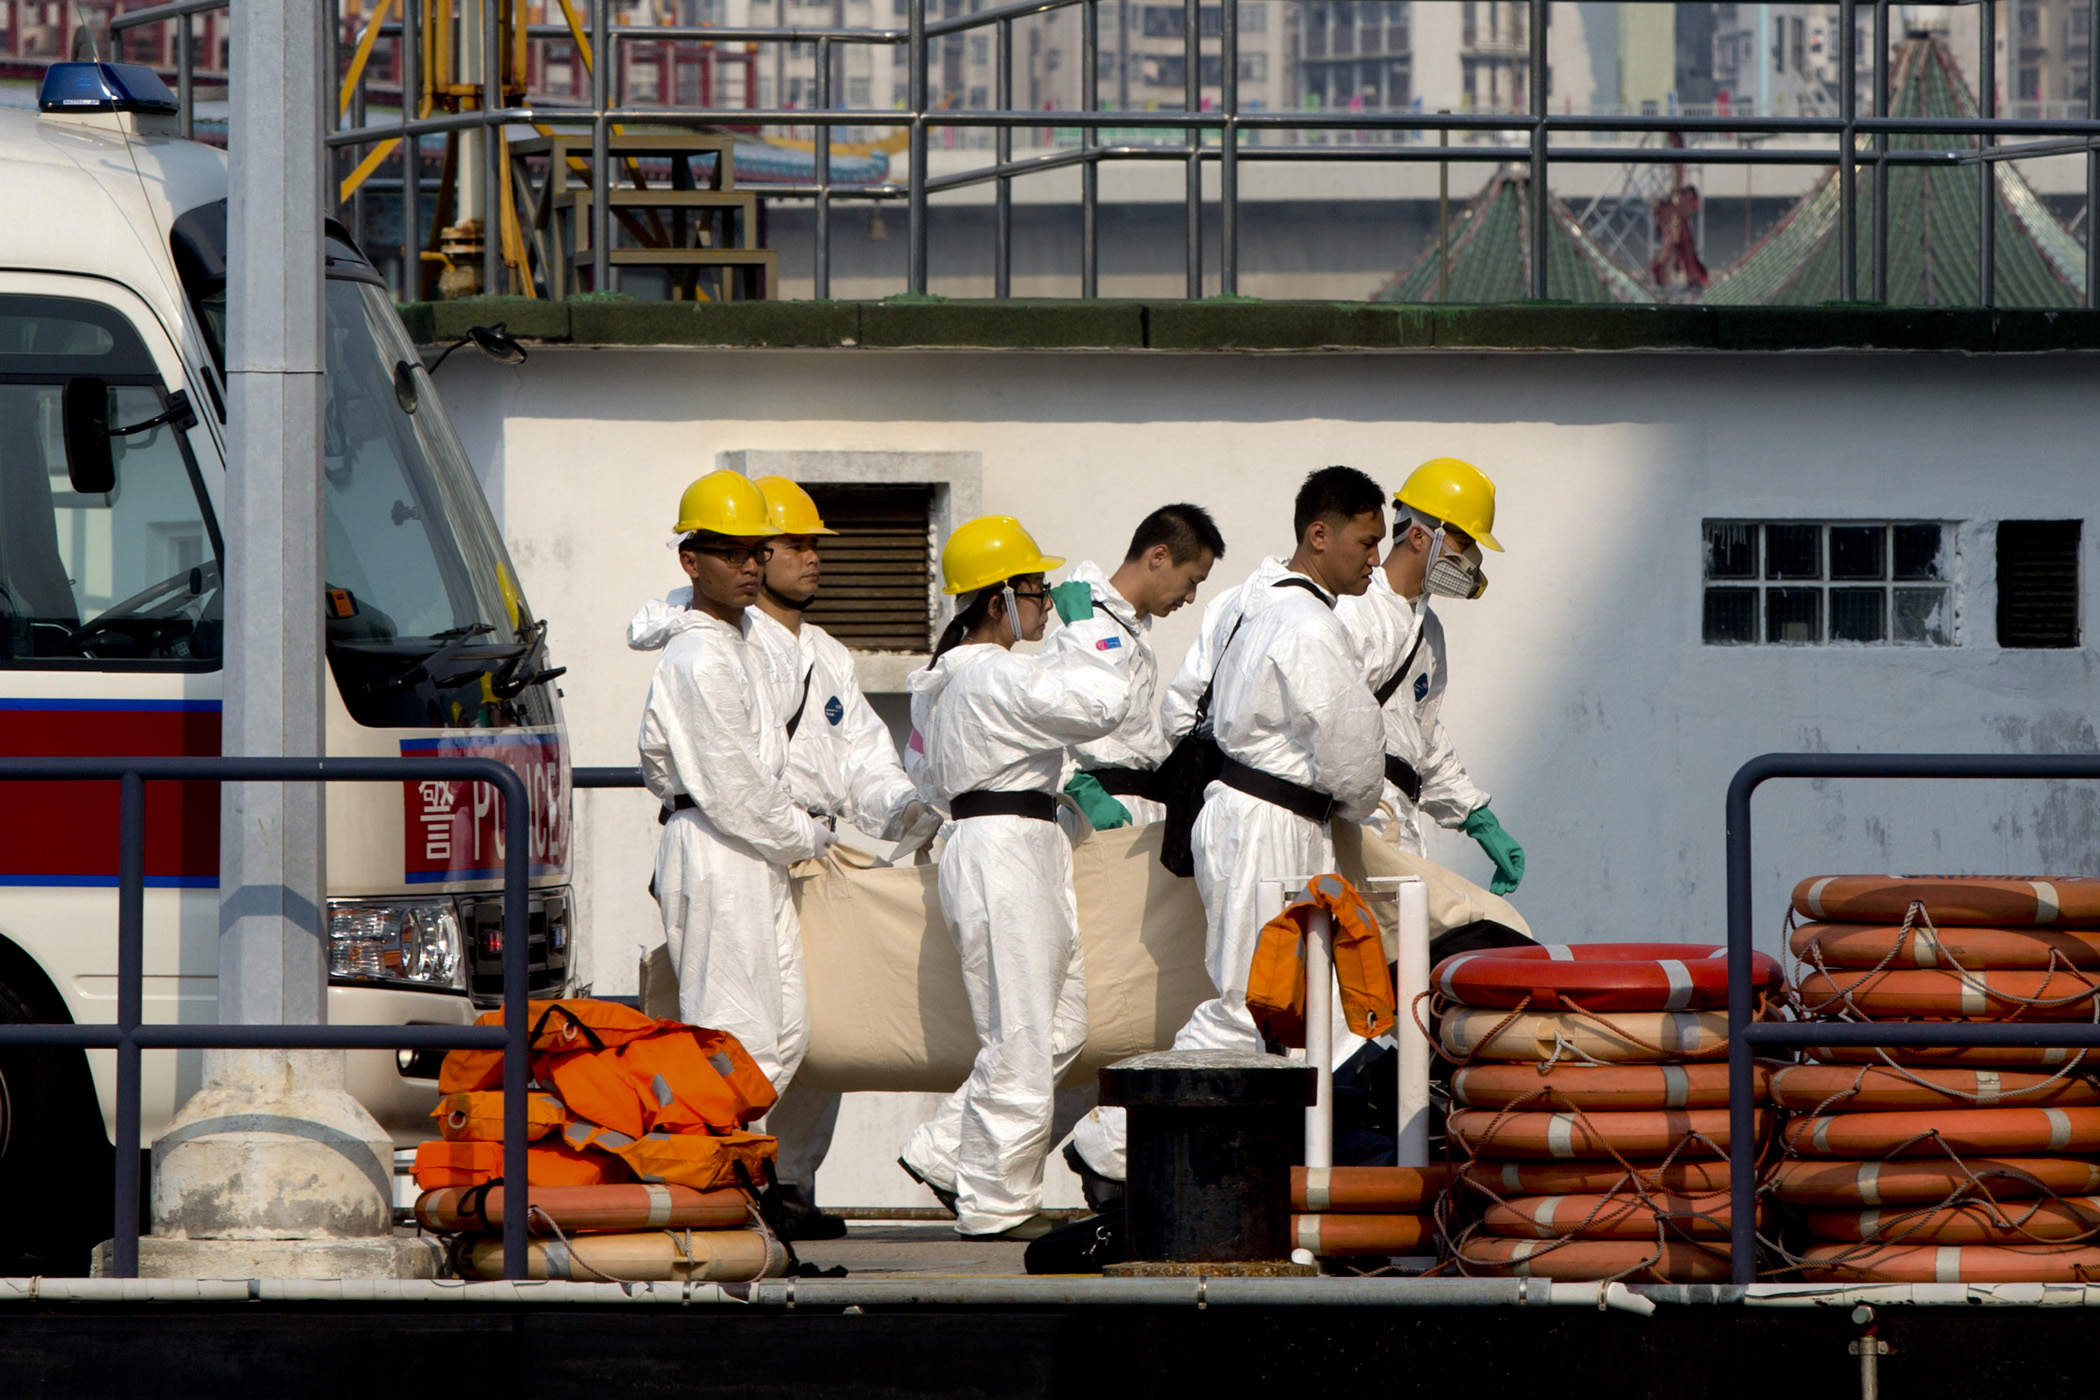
{"x":878,"y":573}
{"x":2038,"y":583}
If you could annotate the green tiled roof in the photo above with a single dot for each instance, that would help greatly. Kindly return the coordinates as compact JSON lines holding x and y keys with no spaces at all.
{"x":1491,"y":257}
{"x":1933,"y":222}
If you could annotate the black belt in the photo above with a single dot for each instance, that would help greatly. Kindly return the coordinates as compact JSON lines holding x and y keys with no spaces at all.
{"x":679,"y":803}
{"x":1309,"y":803}
{"x":1402,"y":775}
{"x":1123,"y":782}
{"x":985,"y":803}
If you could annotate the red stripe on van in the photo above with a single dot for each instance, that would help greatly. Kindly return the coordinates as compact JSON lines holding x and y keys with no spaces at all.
{"x":59,"y":833}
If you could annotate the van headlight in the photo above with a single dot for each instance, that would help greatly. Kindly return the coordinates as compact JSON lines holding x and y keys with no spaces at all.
{"x":414,"y":941}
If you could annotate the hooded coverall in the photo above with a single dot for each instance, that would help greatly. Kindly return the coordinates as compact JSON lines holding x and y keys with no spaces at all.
{"x":1386,"y":627}
{"x":1287,"y":698}
{"x":990,"y":720}
{"x":711,"y":734}
{"x":841,"y":762}
{"x":1138,"y":743}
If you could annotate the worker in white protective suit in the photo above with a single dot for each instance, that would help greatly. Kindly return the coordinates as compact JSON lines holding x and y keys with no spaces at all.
{"x":993,"y":728}
{"x":843,"y":764}
{"x":714,"y":751}
{"x":1442,"y":517}
{"x":1302,"y":742}
{"x":1171,"y":554}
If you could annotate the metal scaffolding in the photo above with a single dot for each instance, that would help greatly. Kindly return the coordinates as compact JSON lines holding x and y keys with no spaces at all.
{"x":1222,"y":136}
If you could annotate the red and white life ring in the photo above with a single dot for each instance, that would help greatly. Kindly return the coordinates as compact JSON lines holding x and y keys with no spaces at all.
{"x":1994,"y":1131}
{"x":2009,"y":900}
{"x":1928,"y":1181}
{"x":1956,"y":945}
{"x":1597,"y":976}
{"x":1577,"y":1261}
{"x":1621,"y":1088}
{"x":2070,"y":1218}
{"x":1952,"y":1263}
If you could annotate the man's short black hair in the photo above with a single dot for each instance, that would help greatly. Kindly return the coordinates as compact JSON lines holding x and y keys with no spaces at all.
{"x":1335,"y":493}
{"x":1187,"y":531}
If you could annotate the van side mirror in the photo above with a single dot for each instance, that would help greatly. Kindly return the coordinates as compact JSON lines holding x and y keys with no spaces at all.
{"x":84,"y":418}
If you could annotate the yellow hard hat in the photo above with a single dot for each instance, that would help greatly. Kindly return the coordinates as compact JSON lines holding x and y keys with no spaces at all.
{"x":725,"y":503}
{"x":989,"y":550}
{"x":1457,"y":493}
{"x":791,"y":508}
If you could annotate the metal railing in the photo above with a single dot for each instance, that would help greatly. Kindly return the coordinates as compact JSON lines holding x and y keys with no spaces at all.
{"x":1218,"y":136}
{"x":130,"y":1036}
{"x":1747,"y":1037}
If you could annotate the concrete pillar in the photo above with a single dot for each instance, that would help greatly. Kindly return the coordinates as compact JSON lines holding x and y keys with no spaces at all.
{"x":272,"y":1170}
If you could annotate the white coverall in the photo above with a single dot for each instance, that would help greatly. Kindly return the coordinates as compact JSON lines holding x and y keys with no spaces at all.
{"x":711,"y":732}
{"x":1385,"y":626}
{"x":841,"y":762}
{"x":1289,"y":698}
{"x":992,"y":720}
{"x":1138,"y":742}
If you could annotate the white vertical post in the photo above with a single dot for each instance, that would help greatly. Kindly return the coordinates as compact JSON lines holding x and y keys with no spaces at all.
{"x":273,"y":963}
{"x":1411,"y":982}
{"x":1319,"y":1037}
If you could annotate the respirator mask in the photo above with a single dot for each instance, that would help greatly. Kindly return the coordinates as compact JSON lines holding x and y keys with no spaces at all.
{"x":1454,"y":575}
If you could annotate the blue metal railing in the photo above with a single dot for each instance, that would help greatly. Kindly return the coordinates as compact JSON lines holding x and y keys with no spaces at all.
{"x":130,"y":1038}
{"x":1746,"y":1038}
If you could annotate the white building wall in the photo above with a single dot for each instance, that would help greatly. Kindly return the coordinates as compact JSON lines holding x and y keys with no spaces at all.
{"x":1582,"y":696}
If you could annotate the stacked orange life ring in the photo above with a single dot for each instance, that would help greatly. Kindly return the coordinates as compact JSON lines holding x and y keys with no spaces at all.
{"x":1590,"y":1109}
{"x":1964,"y":1164}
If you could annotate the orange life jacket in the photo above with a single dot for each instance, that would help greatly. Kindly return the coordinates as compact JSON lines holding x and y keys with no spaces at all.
{"x":1276,"y":982}
{"x":570,"y":1024}
{"x":701,"y":1160}
{"x":440,"y":1164}
{"x":674,"y":1079}
{"x":478,"y":1116}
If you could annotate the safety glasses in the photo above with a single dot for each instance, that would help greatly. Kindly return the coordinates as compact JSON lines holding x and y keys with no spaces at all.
{"x":737,"y":554}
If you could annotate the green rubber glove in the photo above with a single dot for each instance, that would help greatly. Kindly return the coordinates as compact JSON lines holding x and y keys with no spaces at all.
{"x":1075,"y":603}
{"x":1501,"y":848}
{"x":1100,"y":806}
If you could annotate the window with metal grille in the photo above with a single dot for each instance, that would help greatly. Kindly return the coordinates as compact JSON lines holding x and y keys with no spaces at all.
{"x":878,"y":573}
{"x":2038,"y":583}
{"x":1807,"y":583}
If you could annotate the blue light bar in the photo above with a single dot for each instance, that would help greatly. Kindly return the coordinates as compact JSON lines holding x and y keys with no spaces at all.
{"x":104,"y":87}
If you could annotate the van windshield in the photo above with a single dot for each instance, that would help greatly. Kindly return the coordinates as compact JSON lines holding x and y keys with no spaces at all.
{"x":426,"y":622}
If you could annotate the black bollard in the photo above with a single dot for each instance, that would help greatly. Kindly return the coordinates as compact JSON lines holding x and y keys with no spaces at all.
{"x":1212,"y":1137}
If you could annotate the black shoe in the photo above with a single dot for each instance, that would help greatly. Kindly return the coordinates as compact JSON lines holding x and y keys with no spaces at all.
{"x":940,"y":1193}
{"x":803,"y":1220}
{"x":1102,"y":1195}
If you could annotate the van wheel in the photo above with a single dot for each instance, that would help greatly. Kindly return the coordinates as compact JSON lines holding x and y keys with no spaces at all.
{"x":56,"y":1164}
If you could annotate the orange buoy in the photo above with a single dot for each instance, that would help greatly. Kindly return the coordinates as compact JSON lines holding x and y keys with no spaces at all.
{"x":1344,"y":1235}
{"x":1586,"y":1260}
{"x":1535,"y":1136}
{"x":710,"y":1256}
{"x":632,"y":1206}
{"x":1932,"y":1133}
{"x":1611,"y":1217}
{"x":1682,"y":1177}
{"x":1618,"y":1037}
{"x":1890,"y":945}
{"x":1802,"y":1182}
{"x":2005,"y":1055}
{"x":1597,"y":976}
{"x":2059,"y":995}
{"x":1985,"y":900}
{"x":1971,"y":1222}
{"x":1607,"y":1087}
{"x":1372,"y":1190}
{"x":1952,"y":1263}
{"x":1880,"y":1088}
